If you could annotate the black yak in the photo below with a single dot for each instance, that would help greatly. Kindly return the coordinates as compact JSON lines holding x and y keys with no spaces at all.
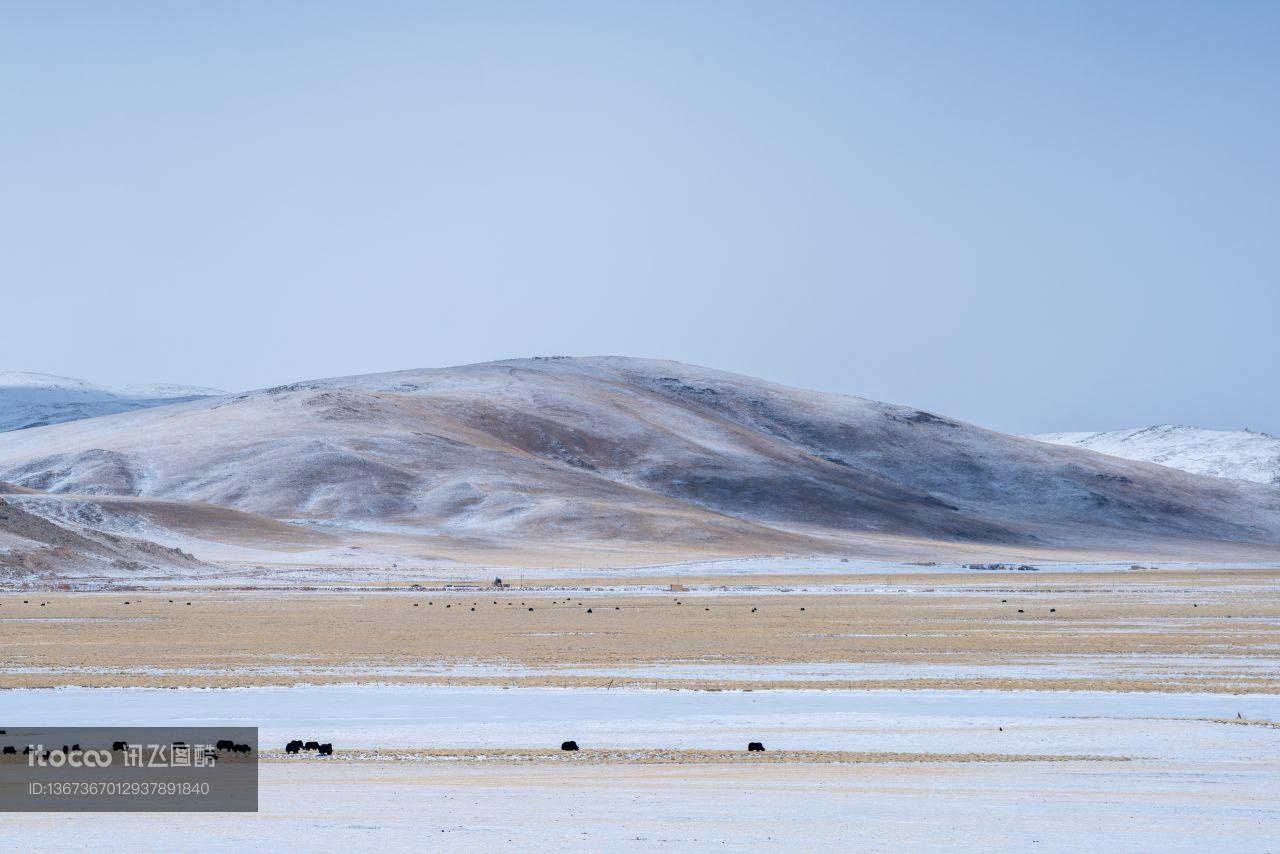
{"x":755,"y":747}
{"x":569,"y":745}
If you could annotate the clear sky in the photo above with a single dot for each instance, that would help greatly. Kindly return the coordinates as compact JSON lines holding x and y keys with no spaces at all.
{"x":1030,"y":215}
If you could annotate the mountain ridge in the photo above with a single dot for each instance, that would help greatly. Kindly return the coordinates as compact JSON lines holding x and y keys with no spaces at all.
{"x":610,"y":454}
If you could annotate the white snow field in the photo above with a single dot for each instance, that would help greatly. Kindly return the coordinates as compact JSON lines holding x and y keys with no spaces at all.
{"x":1101,"y":668}
{"x":1167,"y":772}
{"x":1234,"y":454}
{"x":935,"y":721}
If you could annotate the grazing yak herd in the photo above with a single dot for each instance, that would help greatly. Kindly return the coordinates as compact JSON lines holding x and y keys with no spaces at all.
{"x":297,"y":746}
{"x":752,"y":747}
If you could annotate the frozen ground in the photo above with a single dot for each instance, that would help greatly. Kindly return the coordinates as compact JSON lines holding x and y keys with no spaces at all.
{"x":341,"y":569}
{"x":1190,"y":782}
{"x":1079,"y":667}
{"x":947,"y":807}
{"x":903,"y":770}
{"x":1179,"y":727}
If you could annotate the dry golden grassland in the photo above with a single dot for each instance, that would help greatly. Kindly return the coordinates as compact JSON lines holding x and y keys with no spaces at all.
{"x":244,"y":637}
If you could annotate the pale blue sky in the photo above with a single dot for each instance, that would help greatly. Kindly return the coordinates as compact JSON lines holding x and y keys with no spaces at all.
{"x":1031,"y":215}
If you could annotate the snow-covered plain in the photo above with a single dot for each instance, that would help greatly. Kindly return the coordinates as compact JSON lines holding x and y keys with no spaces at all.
{"x":1102,"y":668}
{"x":1164,"y":726}
{"x":966,"y":807}
{"x":1184,"y":776}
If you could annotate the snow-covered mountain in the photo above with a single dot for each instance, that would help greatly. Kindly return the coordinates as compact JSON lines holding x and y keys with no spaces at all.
{"x":1236,"y":454}
{"x":613,"y":456}
{"x":34,"y":400}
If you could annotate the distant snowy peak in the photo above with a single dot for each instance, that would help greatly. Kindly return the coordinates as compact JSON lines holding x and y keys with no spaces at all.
{"x":19,"y":382}
{"x":35,"y":382}
{"x":1234,"y":454}
{"x":34,"y":400}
